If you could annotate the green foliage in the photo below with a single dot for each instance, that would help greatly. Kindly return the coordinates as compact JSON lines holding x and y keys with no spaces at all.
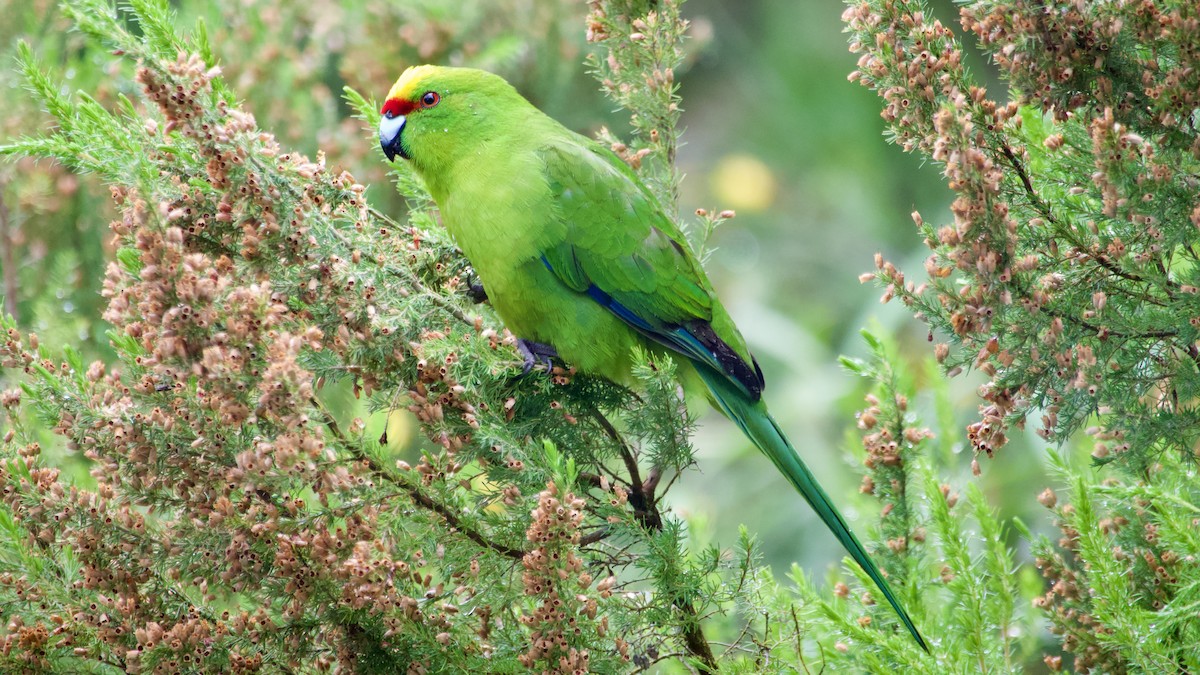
{"x":1068,"y":277}
{"x":1124,"y":580}
{"x":643,"y":49}
{"x":237,"y":523}
{"x":288,"y":61}
{"x":1068,"y":274}
{"x":246,"y":274}
{"x":41,"y":203}
{"x":239,"y":515}
{"x":966,"y":597}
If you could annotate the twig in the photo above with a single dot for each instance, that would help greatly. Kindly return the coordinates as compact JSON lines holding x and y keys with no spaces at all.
{"x":799,"y":648}
{"x":659,"y":659}
{"x":1194,"y":353}
{"x":648,"y":515}
{"x":405,"y":274}
{"x":592,"y":479}
{"x":641,"y":494}
{"x":667,"y":488}
{"x":419,"y":498}
{"x":594,"y":537}
{"x":452,"y":520}
{"x":1043,"y":208}
{"x":635,"y":476}
{"x":693,"y":639}
{"x":737,"y":642}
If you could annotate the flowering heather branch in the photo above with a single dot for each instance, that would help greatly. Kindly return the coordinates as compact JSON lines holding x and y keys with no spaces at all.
{"x":949,"y":548}
{"x":563,"y":622}
{"x":237,"y":522}
{"x":1070,"y":277}
{"x":889,"y":440}
{"x":1068,"y":274}
{"x":643,"y":48}
{"x":1123,"y":571}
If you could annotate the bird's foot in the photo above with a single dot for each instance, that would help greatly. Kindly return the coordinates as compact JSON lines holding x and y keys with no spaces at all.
{"x":477,"y":294}
{"x":534,"y":353}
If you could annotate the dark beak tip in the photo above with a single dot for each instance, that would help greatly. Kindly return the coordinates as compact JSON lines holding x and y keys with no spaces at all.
{"x":390,"y":131}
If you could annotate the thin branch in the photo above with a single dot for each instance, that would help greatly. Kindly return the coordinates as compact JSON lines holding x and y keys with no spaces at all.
{"x":627,"y":456}
{"x":693,"y":639}
{"x":647,"y":513}
{"x":1043,"y":208}
{"x":400,"y":272}
{"x":594,"y":537}
{"x":419,"y":497}
{"x":592,"y":479}
{"x":452,"y":520}
{"x":799,"y":647}
{"x":667,"y":488}
{"x":659,"y":659}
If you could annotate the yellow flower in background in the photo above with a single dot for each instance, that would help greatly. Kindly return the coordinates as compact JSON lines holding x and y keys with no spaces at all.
{"x":744,"y":183}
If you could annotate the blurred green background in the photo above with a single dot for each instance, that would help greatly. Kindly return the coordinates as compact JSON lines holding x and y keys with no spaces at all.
{"x":773,"y":130}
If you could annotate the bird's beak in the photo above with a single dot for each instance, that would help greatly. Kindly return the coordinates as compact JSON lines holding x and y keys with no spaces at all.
{"x":389,"y":136}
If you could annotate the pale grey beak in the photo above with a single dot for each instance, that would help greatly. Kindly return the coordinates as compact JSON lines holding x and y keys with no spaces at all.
{"x":389,"y":136}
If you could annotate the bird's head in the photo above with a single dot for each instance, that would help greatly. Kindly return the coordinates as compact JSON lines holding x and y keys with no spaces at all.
{"x":434,"y":115}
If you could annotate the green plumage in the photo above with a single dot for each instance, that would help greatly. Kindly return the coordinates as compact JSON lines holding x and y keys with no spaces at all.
{"x":575,"y":252}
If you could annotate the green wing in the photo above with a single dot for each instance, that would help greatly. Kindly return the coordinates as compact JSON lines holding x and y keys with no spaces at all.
{"x":623,"y":252}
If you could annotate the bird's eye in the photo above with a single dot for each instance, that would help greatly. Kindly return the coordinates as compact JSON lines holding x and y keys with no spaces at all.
{"x":430,"y":99}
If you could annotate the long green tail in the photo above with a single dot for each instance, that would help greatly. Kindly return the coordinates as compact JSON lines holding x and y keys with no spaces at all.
{"x":757,"y":424}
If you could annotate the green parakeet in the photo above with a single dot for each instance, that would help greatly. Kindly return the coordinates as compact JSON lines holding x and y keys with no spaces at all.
{"x":579,"y":258}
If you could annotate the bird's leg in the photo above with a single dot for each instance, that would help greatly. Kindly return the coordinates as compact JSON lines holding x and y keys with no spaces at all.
{"x":534,"y":353}
{"x":477,"y":294}
{"x":475,"y":291}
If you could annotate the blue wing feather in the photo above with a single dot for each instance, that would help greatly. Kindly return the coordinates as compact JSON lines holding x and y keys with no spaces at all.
{"x":676,"y":338}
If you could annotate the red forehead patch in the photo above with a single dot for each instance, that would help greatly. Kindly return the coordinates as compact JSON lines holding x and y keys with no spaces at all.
{"x":396,"y":107}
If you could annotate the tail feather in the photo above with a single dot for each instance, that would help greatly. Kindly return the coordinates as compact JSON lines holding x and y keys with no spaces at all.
{"x":758,"y":425}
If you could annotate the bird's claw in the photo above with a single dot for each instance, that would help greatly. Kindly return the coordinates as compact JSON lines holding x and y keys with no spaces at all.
{"x":477,"y":293}
{"x":534,"y":353}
